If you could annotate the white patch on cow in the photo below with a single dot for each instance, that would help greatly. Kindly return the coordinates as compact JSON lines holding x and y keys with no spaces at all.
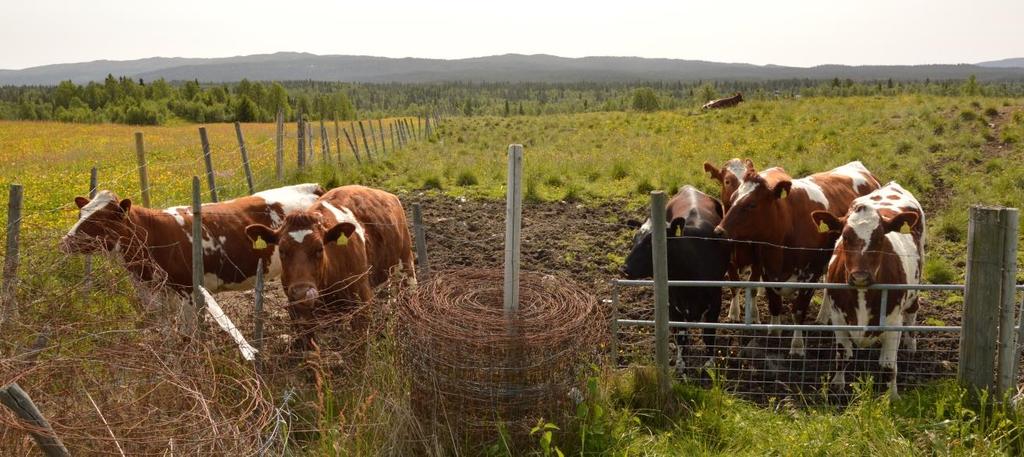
{"x":904,"y":247}
{"x":102,"y":199}
{"x":745,"y":189}
{"x":812,"y":189}
{"x":175,"y":212}
{"x":213,"y":282}
{"x":299,"y":197}
{"x":863,"y":221}
{"x":737,"y":168}
{"x":855,"y":171}
{"x":299,"y":235}
{"x":344,"y":214}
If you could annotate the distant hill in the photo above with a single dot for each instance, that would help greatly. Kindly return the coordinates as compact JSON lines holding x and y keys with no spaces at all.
{"x":509,"y":67}
{"x":1017,"y":62}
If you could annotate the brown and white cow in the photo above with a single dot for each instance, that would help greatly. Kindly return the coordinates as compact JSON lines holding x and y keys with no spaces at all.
{"x":156,"y":245}
{"x":773,"y":210}
{"x":724,"y":102}
{"x":743,"y":266}
{"x":337,"y":251}
{"x":881,"y":241}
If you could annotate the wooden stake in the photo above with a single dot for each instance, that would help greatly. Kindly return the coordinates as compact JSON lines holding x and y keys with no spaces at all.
{"x":659,"y":252}
{"x":245,"y":159}
{"x":208,"y":159}
{"x":17,"y":400}
{"x":140,"y":154}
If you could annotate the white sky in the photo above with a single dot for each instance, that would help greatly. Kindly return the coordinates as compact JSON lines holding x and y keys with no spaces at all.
{"x":784,"y":32}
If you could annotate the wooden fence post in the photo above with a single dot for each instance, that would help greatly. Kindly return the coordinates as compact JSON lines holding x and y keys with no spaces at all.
{"x":337,"y":136}
{"x":421,"y":242}
{"x":309,"y":142}
{"x":1008,"y":354}
{"x":366,"y":145}
{"x":140,"y":155}
{"x":191,"y":313}
{"x":325,"y":142}
{"x":208,"y":159}
{"x":659,"y":252}
{"x":982,"y":297}
{"x":17,"y":400}
{"x":9,"y":308}
{"x":93,"y":188}
{"x":257,"y":332}
{"x":513,"y":224}
{"x":426,"y":127}
{"x":245,"y":158}
{"x":354,"y":139}
{"x":391,"y":131}
{"x":419,"y":127}
{"x":373,"y":136}
{"x":383,"y":145}
{"x":300,"y":144}
{"x":352,"y":146}
{"x":279,"y":146}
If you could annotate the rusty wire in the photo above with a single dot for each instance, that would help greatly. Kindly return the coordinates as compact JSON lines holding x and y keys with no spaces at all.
{"x":474,"y":370}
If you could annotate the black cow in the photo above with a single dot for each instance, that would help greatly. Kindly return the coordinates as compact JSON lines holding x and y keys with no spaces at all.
{"x":694,"y":253}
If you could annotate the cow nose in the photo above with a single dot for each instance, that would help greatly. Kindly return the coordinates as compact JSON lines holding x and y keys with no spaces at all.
{"x":860,"y":279}
{"x":302,"y":292}
{"x":624,"y":272}
{"x":719,"y":231}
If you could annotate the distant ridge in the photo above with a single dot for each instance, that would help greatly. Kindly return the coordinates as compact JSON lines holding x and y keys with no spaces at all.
{"x":508,"y":67}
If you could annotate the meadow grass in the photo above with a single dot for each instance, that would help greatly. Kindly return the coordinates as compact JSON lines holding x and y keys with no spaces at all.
{"x":942,"y":149}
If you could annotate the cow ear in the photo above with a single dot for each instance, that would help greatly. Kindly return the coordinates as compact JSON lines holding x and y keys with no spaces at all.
{"x":903,"y":222}
{"x":81,"y":202}
{"x":750,"y":166}
{"x":782,"y":189}
{"x":827,"y":222}
{"x":340,"y":229}
{"x":718,"y":207}
{"x":125,"y":205}
{"x":261,"y":235}
{"x":675,"y":228}
{"x":715,"y":173}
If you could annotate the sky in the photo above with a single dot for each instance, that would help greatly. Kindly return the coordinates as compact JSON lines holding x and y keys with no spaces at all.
{"x":782,"y":32}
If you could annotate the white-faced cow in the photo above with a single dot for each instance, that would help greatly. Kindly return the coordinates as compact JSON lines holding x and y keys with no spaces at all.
{"x":742,"y":266}
{"x":881,"y":241}
{"x":156,"y":245}
{"x":336,"y":252}
{"x":773,"y":210}
{"x":693,"y":254}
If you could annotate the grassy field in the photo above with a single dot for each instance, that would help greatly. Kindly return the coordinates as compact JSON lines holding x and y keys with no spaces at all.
{"x":951,"y":152}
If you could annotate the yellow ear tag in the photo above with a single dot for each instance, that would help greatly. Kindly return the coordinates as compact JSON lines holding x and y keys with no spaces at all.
{"x":679,"y":231}
{"x":784,"y":193}
{"x":260,"y":243}
{"x":822,"y":227}
{"x":342,"y":240}
{"x":905,"y":229}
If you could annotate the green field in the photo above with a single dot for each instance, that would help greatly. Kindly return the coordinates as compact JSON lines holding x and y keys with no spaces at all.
{"x":951,"y":152}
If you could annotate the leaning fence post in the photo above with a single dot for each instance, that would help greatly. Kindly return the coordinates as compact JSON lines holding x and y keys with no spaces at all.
{"x":366,"y":146}
{"x":982,"y":297}
{"x":257,"y":332}
{"x":140,"y":154}
{"x":659,"y":252}
{"x":9,"y":311}
{"x":245,"y":158}
{"x":380,"y":128}
{"x":191,"y":313}
{"x":337,"y":136}
{"x":513,"y":224}
{"x":17,"y":400}
{"x":1008,"y":354}
{"x":300,"y":143}
{"x":421,"y":242}
{"x":391,"y":131}
{"x":93,"y":187}
{"x":325,"y":142}
{"x":208,"y":160}
{"x":373,"y":136}
{"x":352,"y":146}
{"x":279,"y":146}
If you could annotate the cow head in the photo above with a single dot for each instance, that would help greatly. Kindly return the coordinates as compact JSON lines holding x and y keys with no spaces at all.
{"x":640,"y":262}
{"x":730,"y":176}
{"x":102,"y":224}
{"x":301,"y":240}
{"x":862,"y":237}
{"x":754,"y":207}
{"x":739,"y":97}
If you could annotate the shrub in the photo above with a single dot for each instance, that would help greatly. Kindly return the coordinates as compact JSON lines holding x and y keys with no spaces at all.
{"x":432,"y":182}
{"x":644,"y":99}
{"x":619,"y":170}
{"x":644,"y":186}
{"x":991,"y":112}
{"x":968,"y":115}
{"x":466,"y":178}
{"x":554,"y":181}
{"x":949,"y":231}
{"x":1010,"y":138}
{"x":937,"y":271}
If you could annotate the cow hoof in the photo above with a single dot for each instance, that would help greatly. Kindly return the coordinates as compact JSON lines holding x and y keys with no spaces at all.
{"x":838,"y":382}
{"x":910,"y":345}
{"x":796,"y":348}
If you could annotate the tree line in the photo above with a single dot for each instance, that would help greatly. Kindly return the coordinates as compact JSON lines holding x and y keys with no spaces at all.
{"x":134,"y":101}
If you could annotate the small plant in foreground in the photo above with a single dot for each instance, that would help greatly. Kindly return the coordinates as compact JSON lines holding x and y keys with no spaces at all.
{"x":543,"y":433}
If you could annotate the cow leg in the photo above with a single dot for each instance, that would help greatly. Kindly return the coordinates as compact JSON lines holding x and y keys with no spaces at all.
{"x":774,"y":308}
{"x":890,"y":344}
{"x":825,"y":310}
{"x":803,"y":299}
{"x":677,"y":312}
{"x":844,"y":353}
{"x":910,"y":318}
